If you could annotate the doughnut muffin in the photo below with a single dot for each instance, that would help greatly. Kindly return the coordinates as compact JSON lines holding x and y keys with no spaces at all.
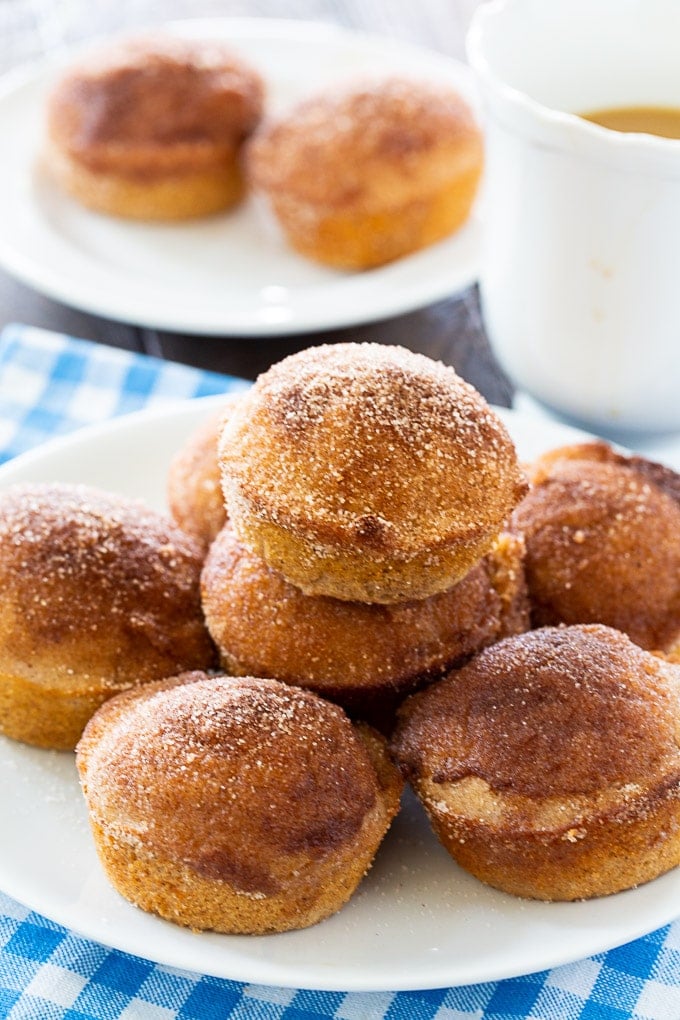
{"x":367,"y":473}
{"x":368,"y":173}
{"x":364,"y":657}
{"x":550,"y":764}
{"x":99,"y":594}
{"x":152,"y":127}
{"x":194,"y":492}
{"x":603,"y":543}
{"x":238,"y":805}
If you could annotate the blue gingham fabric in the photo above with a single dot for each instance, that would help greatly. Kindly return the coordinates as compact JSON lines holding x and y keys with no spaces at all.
{"x":50,"y":384}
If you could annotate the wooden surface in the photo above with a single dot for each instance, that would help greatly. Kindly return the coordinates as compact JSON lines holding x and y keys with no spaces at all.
{"x":450,"y":330}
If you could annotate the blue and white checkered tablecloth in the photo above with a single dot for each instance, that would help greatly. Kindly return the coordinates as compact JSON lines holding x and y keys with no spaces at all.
{"x":51,"y":384}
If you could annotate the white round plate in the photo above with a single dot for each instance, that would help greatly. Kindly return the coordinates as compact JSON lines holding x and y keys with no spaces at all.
{"x":231,"y":274}
{"x":416,"y":921}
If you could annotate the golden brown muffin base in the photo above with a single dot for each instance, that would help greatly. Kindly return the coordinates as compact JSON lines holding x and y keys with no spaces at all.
{"x":177,"y":196}
{"x":599,"y":855}
{"x":362,"y":239}
{"x":173,"y":891}
{"x":45,"y":717}
{"x":160,"y":885}
{"x":351,"y":574}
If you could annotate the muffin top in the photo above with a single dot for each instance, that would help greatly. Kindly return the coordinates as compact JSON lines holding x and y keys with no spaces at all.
{"x":555,"y":712}
{"x":375,"y":141}
{"x":373,"y":447}
{"x":96,"y":588}
{"x":603,"y":542}
{"x":142,"y":102}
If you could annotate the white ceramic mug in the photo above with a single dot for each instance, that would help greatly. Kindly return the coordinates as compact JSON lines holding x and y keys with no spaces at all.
{"x":580,"y":281}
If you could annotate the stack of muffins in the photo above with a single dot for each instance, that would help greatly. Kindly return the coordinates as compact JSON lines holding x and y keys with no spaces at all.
{"x":366,"y":488}
{"x":546,"y":760}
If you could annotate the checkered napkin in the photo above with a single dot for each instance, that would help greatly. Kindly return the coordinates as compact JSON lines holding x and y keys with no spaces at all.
{"x":51,"y":384}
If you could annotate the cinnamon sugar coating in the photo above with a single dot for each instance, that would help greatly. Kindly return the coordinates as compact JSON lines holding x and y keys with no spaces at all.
{"x":367,"y":473}
{"x":603,"y":543}
{"x":99,"y":594}
{"x":194,"y":489}
{"x":364,"y":143}
{"x":550,"y":764}
{"x":369,"y":172}
{"x":365,"y":657}
{"x":156,"y":105}
{"x":152,"y":127}
{"x":264,"y":800}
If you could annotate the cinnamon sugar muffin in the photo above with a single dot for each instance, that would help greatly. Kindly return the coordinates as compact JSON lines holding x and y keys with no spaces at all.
{"x":367,"y":473}
{"x":239,"y":805}
{"x":361,"y":176}
{"x":99,"y":594}
{"x":550,"y":764}
{"x":364,"y":657}
{"x":194,"y":492}
{"x":152,"y":128}
{"x":603,"y":543}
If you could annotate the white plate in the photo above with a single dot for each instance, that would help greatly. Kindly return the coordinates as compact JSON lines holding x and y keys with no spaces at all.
{"x":417,"y":920}
{"x":230,"y":274}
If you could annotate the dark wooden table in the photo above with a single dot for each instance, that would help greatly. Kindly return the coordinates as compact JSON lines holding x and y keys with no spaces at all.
{"x":450,"y":330}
